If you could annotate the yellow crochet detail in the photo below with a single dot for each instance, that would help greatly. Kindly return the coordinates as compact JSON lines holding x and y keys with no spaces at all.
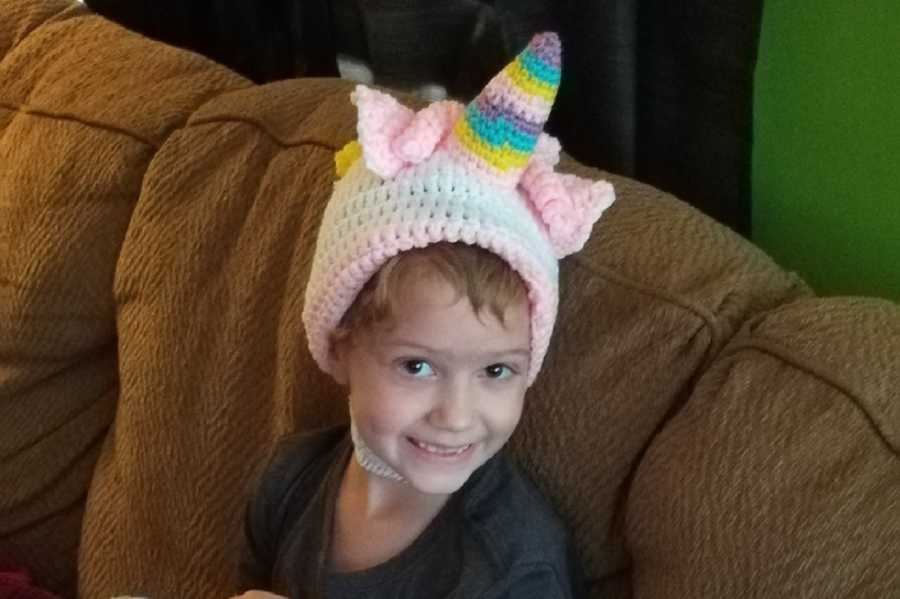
{"x":529,"y":83}
{"x":345,"y":157}
{"x":501,"y":157}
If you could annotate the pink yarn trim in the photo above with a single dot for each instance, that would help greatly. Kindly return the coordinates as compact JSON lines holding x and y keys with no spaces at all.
{"x":394,"y":137}
{"x":567,"y":205}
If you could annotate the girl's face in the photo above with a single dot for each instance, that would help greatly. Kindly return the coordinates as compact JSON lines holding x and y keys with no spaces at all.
{"x":440,"y":392}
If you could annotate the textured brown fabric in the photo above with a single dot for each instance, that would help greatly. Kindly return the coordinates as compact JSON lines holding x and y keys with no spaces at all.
{"x":649,"y":302}
{"x":214,"y":365}
{"x":73,"y":150}
{"x":162,"y":219}
{"x":781,"y":476}
{"x":21,"y":18}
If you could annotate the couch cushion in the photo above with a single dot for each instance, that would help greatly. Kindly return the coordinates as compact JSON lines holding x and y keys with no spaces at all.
{"x":781,"y":475}
{"x":213,"y":360}
{"x":84,"y":104}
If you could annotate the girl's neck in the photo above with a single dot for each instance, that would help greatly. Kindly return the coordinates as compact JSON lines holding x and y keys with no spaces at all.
{"x":377,"y":497}
{"x":376,"y":519}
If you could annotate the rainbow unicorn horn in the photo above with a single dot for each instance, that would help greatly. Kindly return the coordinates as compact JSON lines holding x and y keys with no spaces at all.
{"x":499,"y":129}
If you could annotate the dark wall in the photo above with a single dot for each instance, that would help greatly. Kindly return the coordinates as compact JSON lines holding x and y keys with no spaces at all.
{"x":657,"y":90}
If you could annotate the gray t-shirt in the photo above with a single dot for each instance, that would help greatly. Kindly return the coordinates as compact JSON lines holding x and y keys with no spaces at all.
{"x":495,"y":538}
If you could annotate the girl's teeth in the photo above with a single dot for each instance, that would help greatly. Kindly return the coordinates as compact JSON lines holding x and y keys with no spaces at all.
{"x":440,"y":450}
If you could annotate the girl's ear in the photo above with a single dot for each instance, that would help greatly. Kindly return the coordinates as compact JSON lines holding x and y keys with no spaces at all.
{"x":339,"y":371}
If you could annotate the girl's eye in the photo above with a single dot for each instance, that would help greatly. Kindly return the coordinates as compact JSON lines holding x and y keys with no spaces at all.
{"x":417,"y":368}
{"x":499,"y":371}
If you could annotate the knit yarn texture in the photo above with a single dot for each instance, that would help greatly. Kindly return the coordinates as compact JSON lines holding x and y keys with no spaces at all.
{"x":369,"y":220}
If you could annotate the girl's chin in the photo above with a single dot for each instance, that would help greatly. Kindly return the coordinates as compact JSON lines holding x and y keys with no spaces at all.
{"x":429,"y":486}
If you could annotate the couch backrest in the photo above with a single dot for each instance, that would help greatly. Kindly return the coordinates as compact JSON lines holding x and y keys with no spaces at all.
{"x":780,"y":477}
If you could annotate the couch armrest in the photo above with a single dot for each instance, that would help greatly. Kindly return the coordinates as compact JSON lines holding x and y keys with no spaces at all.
{"x":780,"y":477}
{"x":84,"y":105}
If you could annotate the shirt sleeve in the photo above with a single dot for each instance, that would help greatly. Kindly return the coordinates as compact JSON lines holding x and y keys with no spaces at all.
{"x":298,"y":464}
{"x":258,"y":552}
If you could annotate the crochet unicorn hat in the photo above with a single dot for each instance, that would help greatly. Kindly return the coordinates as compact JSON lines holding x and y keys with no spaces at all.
{"x":480,"y":174}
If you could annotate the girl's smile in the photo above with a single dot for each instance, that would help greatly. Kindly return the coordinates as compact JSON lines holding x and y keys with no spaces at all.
{"x":441,"y":454}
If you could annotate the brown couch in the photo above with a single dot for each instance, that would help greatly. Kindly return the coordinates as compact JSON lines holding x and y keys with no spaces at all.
{"x":706,"y":426}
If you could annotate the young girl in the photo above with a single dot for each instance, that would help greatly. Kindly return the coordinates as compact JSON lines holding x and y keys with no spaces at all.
{"x":432,"y":297}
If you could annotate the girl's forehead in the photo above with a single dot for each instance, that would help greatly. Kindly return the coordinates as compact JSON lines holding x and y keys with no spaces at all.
{"x":455,"y":329}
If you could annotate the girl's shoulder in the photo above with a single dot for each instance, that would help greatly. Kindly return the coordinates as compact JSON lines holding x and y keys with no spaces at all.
{"x":298,"y":451}
{"x":296,"y":471}
{"x":285,"y":492}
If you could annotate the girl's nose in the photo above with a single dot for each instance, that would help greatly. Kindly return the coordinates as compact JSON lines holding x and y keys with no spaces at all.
{"x":454,"y":409}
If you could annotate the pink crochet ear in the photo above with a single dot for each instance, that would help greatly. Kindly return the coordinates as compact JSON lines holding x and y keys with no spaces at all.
{"x":429,"y":127}
{"x":392,"y":136}
{"x":567,"y":205}
{"x":381,"y":120}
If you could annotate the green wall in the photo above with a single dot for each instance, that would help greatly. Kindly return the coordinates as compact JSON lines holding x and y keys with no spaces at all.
{"x":826,"y":157}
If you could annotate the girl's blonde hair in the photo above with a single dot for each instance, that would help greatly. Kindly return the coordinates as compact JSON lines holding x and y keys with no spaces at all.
{"x":484,"y":278}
